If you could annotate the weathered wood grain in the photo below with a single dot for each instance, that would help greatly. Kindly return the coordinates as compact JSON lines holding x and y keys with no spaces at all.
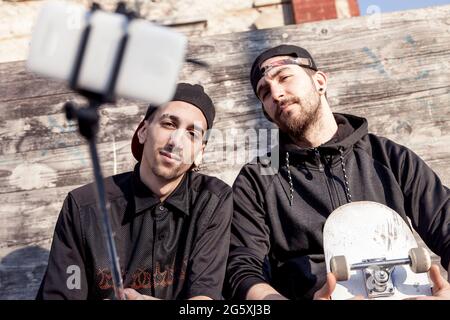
{"x":53,"y":131}
{"x":397,"y":76}
{"x":21,"y":216}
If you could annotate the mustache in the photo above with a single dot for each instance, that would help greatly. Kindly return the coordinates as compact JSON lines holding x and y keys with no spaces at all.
{"x":178,"y":152}
{"x":287,"y":101}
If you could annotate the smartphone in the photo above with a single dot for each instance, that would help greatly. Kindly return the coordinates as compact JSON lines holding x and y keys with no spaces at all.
{"x":152,"y":59}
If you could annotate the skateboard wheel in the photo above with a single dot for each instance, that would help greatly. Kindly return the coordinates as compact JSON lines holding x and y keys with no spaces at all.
{"x":339,"y":267}
{"x":420,"y":260}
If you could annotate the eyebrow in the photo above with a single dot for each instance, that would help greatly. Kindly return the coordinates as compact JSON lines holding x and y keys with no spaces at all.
{"x":170,"y":117}
{"x":177,"y":121}
{"x":276,"y":73}
{"x":198,"y":128}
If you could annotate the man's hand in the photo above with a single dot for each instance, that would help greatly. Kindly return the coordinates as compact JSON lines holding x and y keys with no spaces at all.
{"x":263,"y":291}
{"x":441,"y":287}
{"x":132,"y":294}
{"x":325,"y":292}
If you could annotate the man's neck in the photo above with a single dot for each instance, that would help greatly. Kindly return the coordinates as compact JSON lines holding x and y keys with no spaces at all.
{"x":161,"y":187}
{"x":321,"y":131}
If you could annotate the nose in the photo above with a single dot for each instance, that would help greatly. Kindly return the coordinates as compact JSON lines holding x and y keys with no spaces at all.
{"x":277,"y":92}
{"x":176,"y":139}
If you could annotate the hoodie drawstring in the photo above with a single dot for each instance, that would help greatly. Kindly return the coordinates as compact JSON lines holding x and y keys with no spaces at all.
{"x":347,"y":186}
{"x":291,"y":185}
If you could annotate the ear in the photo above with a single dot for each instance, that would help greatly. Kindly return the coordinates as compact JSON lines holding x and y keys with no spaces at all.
{"x":142,"y":133}
{"x":321,"y":81}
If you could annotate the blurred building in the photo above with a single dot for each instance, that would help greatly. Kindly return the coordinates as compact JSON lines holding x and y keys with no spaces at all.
{"x":313,"y":10}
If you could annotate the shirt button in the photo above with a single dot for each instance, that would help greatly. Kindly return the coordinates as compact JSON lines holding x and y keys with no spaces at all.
{"x":161,"y":208}
{"x":161,"y":236}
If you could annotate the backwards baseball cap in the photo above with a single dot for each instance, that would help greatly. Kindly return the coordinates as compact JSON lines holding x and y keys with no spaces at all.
{"x":302,"y":58}
{"x":193,"y":94}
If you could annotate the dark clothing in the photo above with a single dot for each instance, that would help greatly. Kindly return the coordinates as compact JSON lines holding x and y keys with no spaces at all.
{"x":277,"y":227}
{"x":176,"y":249}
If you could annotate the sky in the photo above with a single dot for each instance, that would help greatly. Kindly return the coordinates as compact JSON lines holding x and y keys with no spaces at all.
{"x":397,"y":5}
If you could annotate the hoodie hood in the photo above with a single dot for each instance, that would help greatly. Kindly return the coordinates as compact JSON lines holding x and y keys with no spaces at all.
{"x":350,"y":130}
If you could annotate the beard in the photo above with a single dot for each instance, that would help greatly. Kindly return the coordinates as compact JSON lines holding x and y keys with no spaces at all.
{"x":169,"y":172}
{"x":302,"y":117}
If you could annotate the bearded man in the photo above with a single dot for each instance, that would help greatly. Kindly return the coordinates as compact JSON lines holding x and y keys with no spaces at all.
{"x":326,"y":160}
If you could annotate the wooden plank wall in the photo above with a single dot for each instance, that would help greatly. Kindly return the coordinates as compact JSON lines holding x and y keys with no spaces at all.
{"x":392,"y":69}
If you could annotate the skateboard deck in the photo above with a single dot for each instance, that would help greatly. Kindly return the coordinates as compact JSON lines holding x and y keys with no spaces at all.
{"x":370,"y":233}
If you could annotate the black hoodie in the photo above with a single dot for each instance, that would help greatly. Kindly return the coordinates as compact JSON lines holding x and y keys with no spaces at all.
{"x":278,"y":218}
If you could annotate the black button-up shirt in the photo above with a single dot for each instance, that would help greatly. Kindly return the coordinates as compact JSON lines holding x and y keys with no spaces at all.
{"x":174,"y":249}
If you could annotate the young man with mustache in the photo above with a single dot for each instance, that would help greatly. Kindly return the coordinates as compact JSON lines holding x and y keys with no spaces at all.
{"x":171,"y":224}
{"x":326,"y":160}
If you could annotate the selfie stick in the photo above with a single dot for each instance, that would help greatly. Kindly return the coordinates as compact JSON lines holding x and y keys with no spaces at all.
{"x":88,"y":119}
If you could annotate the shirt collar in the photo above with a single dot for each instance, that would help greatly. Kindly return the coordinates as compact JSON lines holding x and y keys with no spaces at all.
{"x":144,"y":198}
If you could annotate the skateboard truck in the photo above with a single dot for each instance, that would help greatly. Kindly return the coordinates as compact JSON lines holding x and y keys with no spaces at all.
{"x":378,"y":278}
{"x":378,"y":272}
